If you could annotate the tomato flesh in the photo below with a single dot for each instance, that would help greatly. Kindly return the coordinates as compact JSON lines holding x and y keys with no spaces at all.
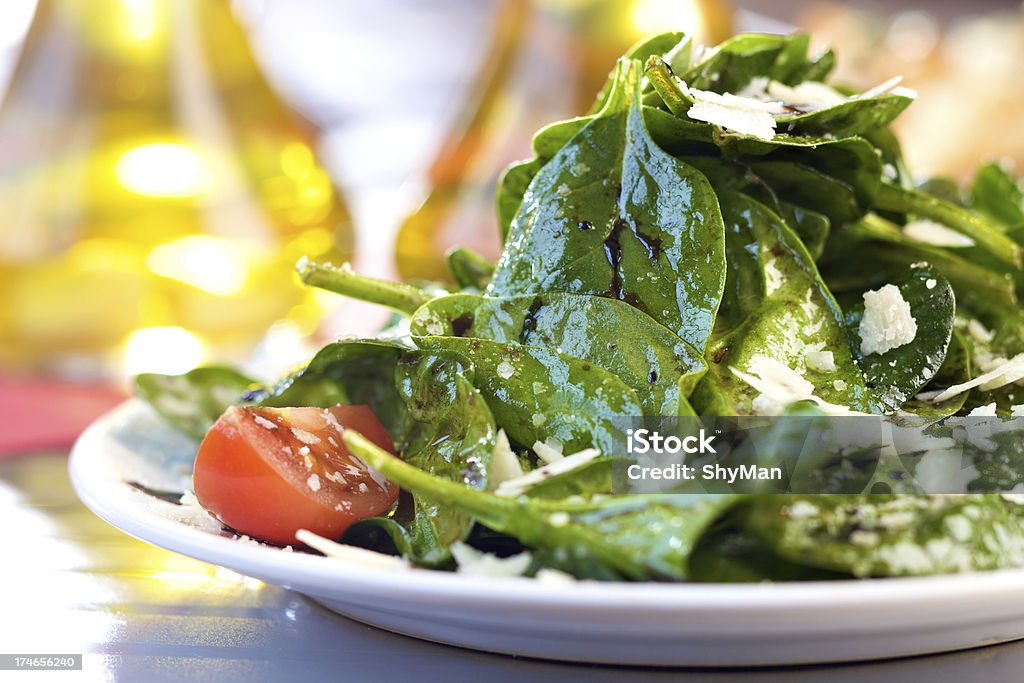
{"x":268,"y":472}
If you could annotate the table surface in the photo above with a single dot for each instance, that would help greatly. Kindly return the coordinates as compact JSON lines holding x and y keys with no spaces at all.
{"x":73,"y":584}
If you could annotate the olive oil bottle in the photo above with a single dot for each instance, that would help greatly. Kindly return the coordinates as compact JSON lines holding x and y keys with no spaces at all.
{"x":154,"y":192}
{"x":547,"y":60}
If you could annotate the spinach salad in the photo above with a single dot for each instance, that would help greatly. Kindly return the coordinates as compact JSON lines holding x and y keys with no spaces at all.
{"x":722,"y":234}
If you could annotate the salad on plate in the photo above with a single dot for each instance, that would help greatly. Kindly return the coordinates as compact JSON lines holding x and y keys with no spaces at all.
{"x":723,"y":234}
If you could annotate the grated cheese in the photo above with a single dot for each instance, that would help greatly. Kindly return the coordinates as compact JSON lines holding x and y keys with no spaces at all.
{"x":263,"y":422}
{"x":475,"y":563}
{"x":304,"y":436}
{"x":821,"y":361}
{"x":887,"y":323}
{"x":505,"y":369}
{"x":313,"y":482}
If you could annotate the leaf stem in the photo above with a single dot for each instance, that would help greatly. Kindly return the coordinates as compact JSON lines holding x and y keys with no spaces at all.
{"x":343,"y":280}
{"x":902,"y":200}
{"x":667,"y":86}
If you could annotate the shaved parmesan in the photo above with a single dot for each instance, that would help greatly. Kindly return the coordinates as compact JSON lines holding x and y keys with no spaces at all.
{"x":473,"y":562}
{"x":1007,"y":373}
{"x":743,"y":115}
{"x":504,"y":463}
{"x":807,"y":95}
{"x":514,"y":487}
{"x":780,"y":385}
{"x":887,"y":323}
{"x":548,"y":451}
{"x":979,"y":333}
{"x":937,"y":234}
{"x":347,"y":552}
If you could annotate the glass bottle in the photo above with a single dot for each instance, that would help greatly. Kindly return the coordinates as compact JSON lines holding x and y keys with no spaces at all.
{"x":154,"y":192}
{"x":546,"y":62}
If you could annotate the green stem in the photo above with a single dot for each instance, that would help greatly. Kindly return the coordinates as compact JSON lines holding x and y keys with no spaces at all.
{"x":902,"y":200}
{"x":343,"y":280}
{"x":667,"y":86}
{"x":965,"y":276}
{"x":480,"y":505}
{"x":468,"y":268}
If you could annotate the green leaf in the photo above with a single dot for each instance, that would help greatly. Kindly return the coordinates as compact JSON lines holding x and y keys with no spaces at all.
{"x":658,"y":365}
{"x":895,"y":376}
{"x":538,"y":393}
{"x":192,"y":402}
{"x":998,"y":195}
{"x":775,"y":305}
{"x":730,"y":556}
{"x":856,"y":116}
{"x":889,"y":535}
{"x":613,"y":215}
{"x":511,"y":187}
{"x":451,"y":435}
{"x":645,"y":537}
{"x":734,"y":63}
{"x":354,"y":371}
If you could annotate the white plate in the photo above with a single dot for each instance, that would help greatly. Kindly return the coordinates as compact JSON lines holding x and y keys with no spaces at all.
{"x":653,"y":624}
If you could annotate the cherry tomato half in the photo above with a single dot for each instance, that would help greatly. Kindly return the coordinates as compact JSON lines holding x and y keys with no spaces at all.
{"x":268,"y":472}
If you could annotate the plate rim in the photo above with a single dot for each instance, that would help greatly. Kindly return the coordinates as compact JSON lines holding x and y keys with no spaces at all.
{"x":896,"y":593}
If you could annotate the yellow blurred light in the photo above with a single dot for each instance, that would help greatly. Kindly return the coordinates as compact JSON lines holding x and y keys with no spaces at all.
{"x":163,"y":169}
{"x":142,"y":18}
{"x":168,"y":350}
{"x":212,"y":264}
{"x":652,"y":16}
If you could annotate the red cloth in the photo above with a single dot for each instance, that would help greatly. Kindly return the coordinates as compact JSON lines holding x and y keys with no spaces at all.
{"x":39,"y":415}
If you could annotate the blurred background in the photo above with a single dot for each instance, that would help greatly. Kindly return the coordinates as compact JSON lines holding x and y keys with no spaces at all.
{"x":164,"y":163}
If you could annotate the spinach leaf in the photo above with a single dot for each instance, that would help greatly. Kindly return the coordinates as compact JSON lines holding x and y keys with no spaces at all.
{"x":350,"y":371}
{"x":896,"y":375}
{"x":775,"y":306}
{"x":956,"y":368}
{"x":734,"y":63}
{"x":538,"y":393}
{"x":855,"y":116}
{"x":998,"y":195}
{"x":613,"y":215}
{"x":512,"y":186}
{"x":728,"y":555}
{"x":658,"y":365}
{"x":192,"y":402}
{"x":451,"y":435}
{"x":634,"y":537}
{"x":889,"y":535}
